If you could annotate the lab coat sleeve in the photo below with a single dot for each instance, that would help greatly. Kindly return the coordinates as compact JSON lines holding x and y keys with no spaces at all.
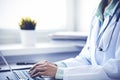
{"x":85,"y":72}
{"x":59,"y":73}
{"x":109,"y":71}
{"x":82,"y":59}
{"x":71,"y":62}
{"x":60,"y":70}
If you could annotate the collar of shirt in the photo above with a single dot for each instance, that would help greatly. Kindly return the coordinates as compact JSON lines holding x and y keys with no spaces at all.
{"x":109,"y":10}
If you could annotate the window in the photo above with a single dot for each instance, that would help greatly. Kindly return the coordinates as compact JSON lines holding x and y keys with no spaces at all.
{"x":49,"y":14}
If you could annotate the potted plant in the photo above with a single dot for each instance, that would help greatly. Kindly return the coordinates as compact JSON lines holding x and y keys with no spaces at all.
{"x":27,"y":24}
{"x":27,"y":30}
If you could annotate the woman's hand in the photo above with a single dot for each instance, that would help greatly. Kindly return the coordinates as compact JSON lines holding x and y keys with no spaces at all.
{"x":44,"y":68}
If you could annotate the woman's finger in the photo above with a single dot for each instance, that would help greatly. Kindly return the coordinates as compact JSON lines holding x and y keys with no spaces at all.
{"x":38,"y":74}
{"x":31,"y":69}
{"x":38,"y":69}
{"x":37,"y":64}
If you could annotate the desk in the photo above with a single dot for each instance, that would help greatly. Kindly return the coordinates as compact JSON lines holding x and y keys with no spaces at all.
{"x":43,"y":51}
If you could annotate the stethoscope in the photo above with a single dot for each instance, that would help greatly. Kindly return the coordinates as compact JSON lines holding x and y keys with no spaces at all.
{"x":99,"y":38}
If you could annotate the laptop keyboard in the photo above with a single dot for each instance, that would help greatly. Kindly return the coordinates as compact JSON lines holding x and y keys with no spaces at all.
{"x":20,"y":75}
{"x":24,"y":75}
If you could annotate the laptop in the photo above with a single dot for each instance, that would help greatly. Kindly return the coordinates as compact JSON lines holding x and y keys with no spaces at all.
{"x":19,"y":74}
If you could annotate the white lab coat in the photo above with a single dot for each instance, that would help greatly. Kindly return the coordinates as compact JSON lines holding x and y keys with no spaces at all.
{"x":100,"y":60}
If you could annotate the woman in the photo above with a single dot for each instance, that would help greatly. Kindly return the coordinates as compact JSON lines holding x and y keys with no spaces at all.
{"x":100,"y":58}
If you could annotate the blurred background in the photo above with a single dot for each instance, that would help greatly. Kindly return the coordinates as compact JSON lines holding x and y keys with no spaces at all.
{"x":51,"y":16}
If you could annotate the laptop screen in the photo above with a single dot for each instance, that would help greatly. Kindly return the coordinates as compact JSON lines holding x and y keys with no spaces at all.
{"x":5,"y":61}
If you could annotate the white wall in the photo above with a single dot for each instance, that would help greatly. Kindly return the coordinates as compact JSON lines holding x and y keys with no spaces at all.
{"x":85,"y":10}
